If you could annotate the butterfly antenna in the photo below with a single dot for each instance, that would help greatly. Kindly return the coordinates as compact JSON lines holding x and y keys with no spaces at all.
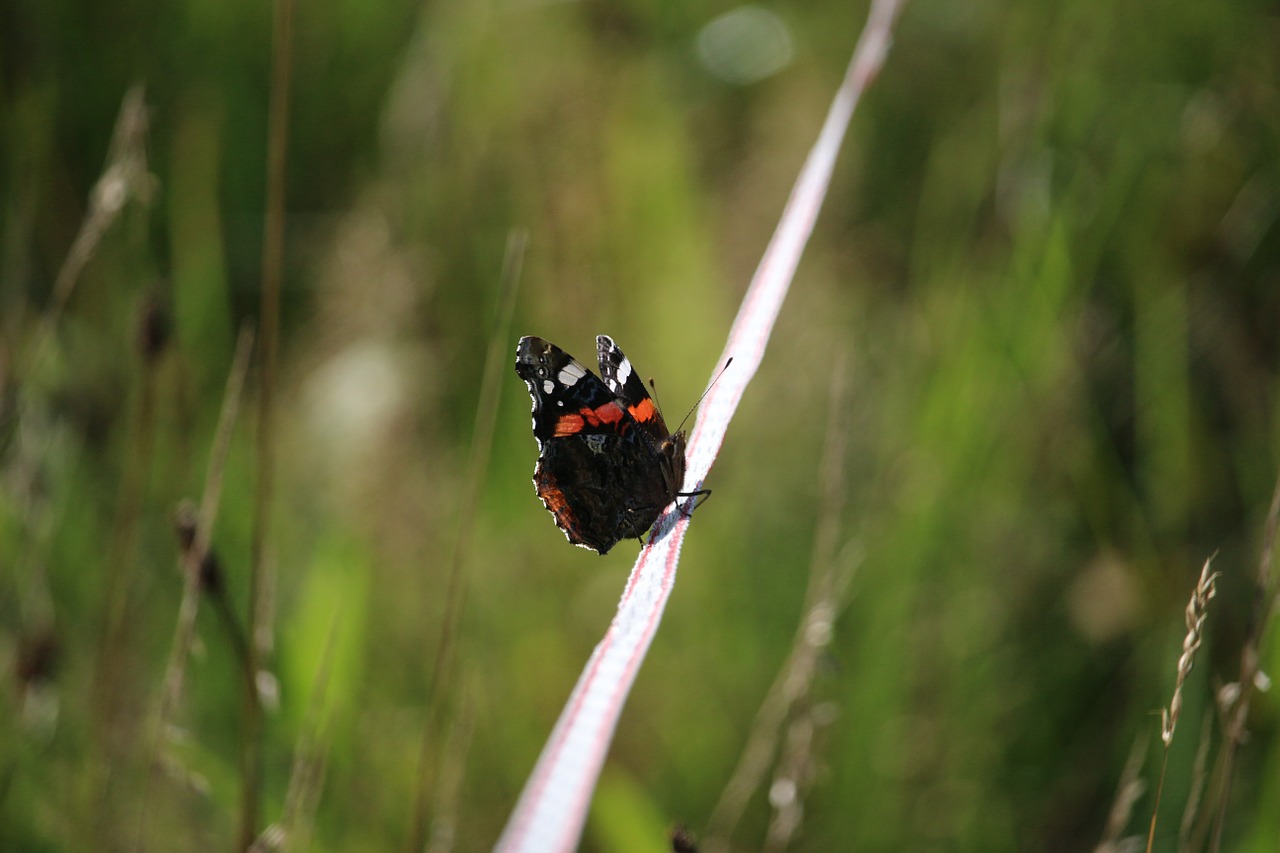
{"x":653,"y":387}
{"x":694,"y":408}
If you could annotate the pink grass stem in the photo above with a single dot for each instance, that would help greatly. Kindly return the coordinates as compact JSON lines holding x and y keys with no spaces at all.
{"x":553,"y":807}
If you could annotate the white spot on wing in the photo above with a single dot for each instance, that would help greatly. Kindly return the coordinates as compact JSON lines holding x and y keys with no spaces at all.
{"x":548,"y":386}
{"x":571,"y":373}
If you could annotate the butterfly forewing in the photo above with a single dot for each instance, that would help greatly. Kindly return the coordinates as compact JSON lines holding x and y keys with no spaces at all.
{"x":627,"y":386}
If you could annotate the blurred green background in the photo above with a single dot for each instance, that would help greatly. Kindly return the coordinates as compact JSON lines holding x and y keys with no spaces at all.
{"x":1049,"y":267}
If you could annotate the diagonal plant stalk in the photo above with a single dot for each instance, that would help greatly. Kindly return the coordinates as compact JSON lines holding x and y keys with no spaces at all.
{"x":830,"y":573}
{"x":124,"y":177}
{"x":456,"y":590}
{"x":1237,"y":701}
{"x":552,"y":809}
{"x":192,"y":558}
{"x":1129,"y":789}
{"x":310,"y":756}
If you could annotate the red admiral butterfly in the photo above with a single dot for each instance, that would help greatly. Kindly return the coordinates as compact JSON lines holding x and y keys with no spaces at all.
{"x":607,"y":466}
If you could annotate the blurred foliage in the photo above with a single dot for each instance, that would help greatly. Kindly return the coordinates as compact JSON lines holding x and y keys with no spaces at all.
{"x":1051,"y":258}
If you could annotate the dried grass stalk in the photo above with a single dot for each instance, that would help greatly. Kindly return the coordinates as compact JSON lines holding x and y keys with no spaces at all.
{"x":1197,"y":610}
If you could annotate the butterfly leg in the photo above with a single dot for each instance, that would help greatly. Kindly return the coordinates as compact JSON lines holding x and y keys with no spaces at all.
{"x":696,"y":499}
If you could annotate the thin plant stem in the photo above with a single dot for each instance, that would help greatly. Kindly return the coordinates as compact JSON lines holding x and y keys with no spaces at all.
{"x":309,"y":760}
{"x":1266,"y":601}
{"x":828,"y":582}
{"x":448,"y":799}
{"x":191,"y":559}
{"x":455,"y":591}
{"x":114,"y":680}
{"x":124,"y":177}
{"x":1196,"y":794}
{"x":1131,"y":787}
{"x":272,"y":274}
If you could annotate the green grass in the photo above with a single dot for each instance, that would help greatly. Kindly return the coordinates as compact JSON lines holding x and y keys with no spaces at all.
{"x":1051,"y":258}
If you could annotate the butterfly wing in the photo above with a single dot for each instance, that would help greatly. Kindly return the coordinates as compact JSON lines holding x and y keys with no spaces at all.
{"x":627,"y":386}
{"x":567,"y":398}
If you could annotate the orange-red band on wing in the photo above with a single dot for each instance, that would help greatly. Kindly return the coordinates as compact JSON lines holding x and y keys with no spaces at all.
{"x":569,"y":425}
{"x":575,"y":422}
{"x":644,"y":411}
{"x":554,"y":500}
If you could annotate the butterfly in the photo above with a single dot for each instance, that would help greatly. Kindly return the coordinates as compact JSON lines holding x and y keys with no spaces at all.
{"x":607,"y":464}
